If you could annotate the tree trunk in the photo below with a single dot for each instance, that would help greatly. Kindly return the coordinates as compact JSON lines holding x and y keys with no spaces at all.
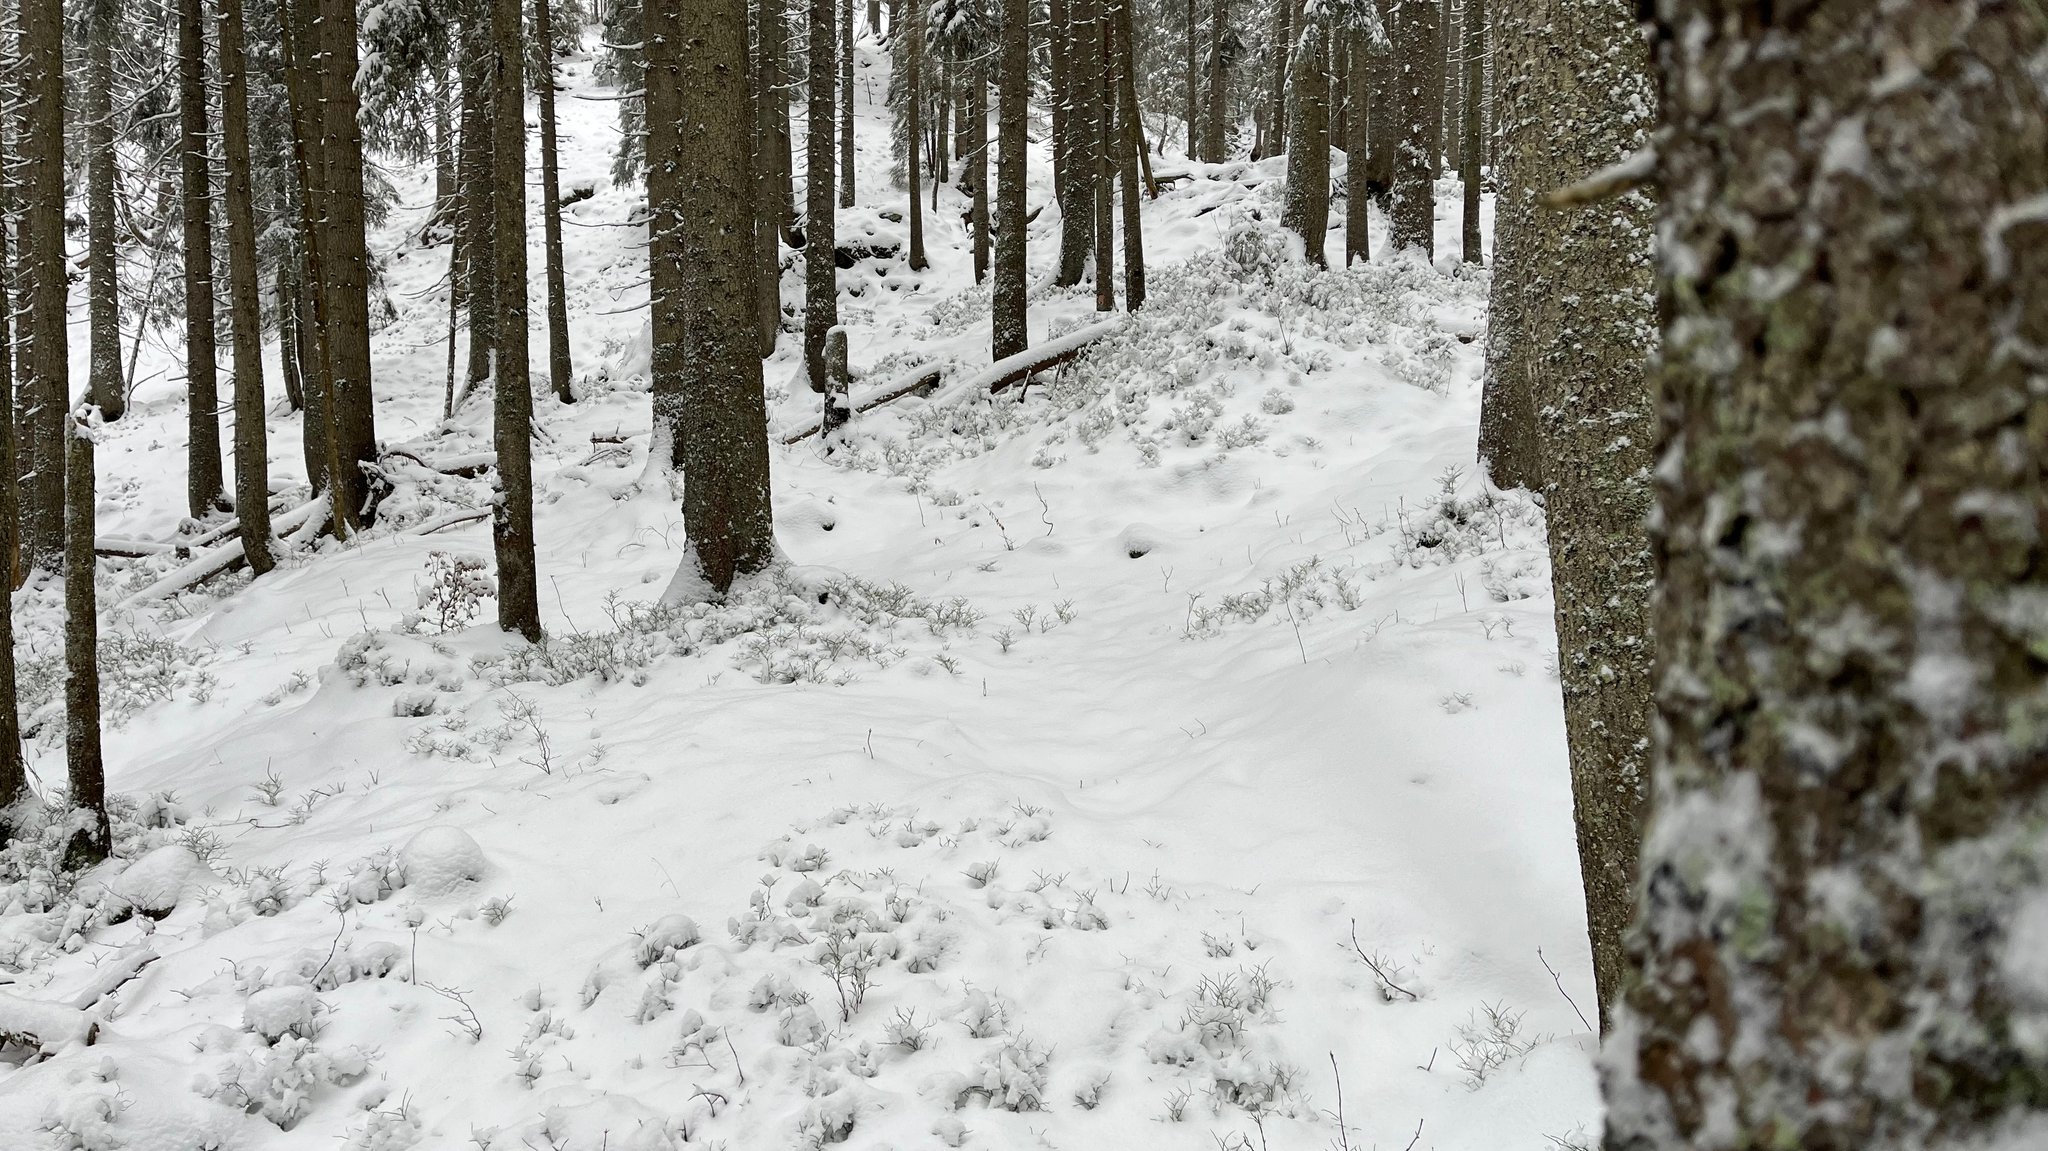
{"x":875,"y":18}
{"x":770,"y":194}
{"x":1508,"y":449}
{"x":1582,"y":284}
{"x":726,"y":510}
{"x":1469,"y":151}
{"x":913,"y":97}
{"x":345,"y":266}
{"x":663,"y":32}
{"x":1840,"y":939}
{"x":1306,"y":212}
{"x":512,"y":411}
{"x":252,"y":434}
{"x":103,"y":282}
{"x":1215,"y":122}
{"x":775,"y":48}
{"x":85,"y":768}
{"x":560,"y":369}
{"x":477,"y":175}
{"x":1102,"y":97}
{"x":1446,"y":88}
{"x":977,"y":164}
{"x":1013,"y":114}
{"x":1357,"y":146}
{"x":204,"y":492}
{"x":444,"y":152}
{"x":1059,"y":27}
{"x":43,"y":356}
{"x":821,"y":272}
{"x":846,"y":173}
{"x":1382,"y":77}
{"x":1130,"y":146}
{"x":1413,"y":211}
{"x":1081,"y":98}
{"x":1192,"y":27}
{"x":13,"y":776}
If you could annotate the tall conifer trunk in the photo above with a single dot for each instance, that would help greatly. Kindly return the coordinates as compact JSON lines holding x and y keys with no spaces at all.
{"x":103,"y":281}
{"x":43,"y":357}
{"x":245,"y":305}
{"x":561,"y":370}
{"x":512,"y":411}
{"x":204,"y":492}
{"x":821,"y":270}
{"x":85,"y":768}
{"x":1013,"y":113}
{"x":1306,"y":212}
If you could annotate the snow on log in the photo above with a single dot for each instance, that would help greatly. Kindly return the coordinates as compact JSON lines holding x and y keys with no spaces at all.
{"x":129,"y":548}
{"x":1012,"y":370}
{"x":469,"y":466}
{"x":48,"y":1027}
{"x":919,"y":381}
{"x":228,"y":555}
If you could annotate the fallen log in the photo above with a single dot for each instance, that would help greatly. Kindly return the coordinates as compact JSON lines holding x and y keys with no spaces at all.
{"x":1012,"y":370}
{"x":302,"y":522}
{"x":448,"y":521}
{"x":919,"y":382}
{"x":467,"y":466}
{"x":124,"y":548}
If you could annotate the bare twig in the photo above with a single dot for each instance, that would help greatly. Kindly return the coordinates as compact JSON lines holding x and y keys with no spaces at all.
{"x":1376,"y":968}
{"x":1555,"y":978}
{"x":1417,"y":1136}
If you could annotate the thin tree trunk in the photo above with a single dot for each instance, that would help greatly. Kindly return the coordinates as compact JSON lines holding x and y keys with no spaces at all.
{"x":84,"y":765}
{"x":1469,"y":152}
{"x":1190,"y":79}
{"x":1357,"y":147}
{"x":103,"y":290}
{"x":1306,"y":212}
{"x":726,"y":510}
{"x":1102,"y":98}
{"x":775,"y":48}
{"x":1840,"y":940}
{"x":252,"y":438}
{"x":668,"y":306}
{"x":204,"y":491}
{"x":512,"y":413}
{"x":13,"y":775}
{"x":846,"y":172}
{"x":770,"y":195}
{"x":560,"y":369}
{"x":913,"y":96}
{"x":1013,"y":89}
{"x":937,"y":87}
{"x":1059,"y":31}
{"x":444,"y":153}
{"x":977,"y":165}
{"x":43,"y":355}
{"x":821,"y":270}
{"x":1273,"y":120}
{"x":1130,"y":148}
{"x":477,"y":179}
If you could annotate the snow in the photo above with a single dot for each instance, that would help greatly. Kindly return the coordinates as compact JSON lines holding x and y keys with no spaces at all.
{"x":1057,"y":793}
{"x":159,"y":880}
{"x":439,"y":860}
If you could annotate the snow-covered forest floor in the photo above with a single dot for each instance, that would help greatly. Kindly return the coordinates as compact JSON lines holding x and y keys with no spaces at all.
{"x":1115,"y":765}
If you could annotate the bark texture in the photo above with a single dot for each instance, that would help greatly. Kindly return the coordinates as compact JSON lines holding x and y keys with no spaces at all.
{"x":726,"y":509}
{"x":13,"y":776}
{"x":204,"y":491}
{"x":1509,"y":449}
{"x":103,"y":306}
{"x":1585,"y":333}
{"x":84,"y":766}
{"x":245,"y":304}
{"x":846,"y":172}
{"x":42,"y":358}
{"x":1417,"y":61}
{"x":1469,"y":149}
{"x":1846,"y":884}
{"x":1357,"y":147}
{"x":512,"y":391}
{"x":1306,"y":211}
{"x":561,"y":370}
{"x":1215,"y":135}
{"x":821,"y":272}
{"x":1013,"y":114}
{"x":1082,"y":139}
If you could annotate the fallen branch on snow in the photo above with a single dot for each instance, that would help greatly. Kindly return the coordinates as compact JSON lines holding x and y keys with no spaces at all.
{"x":307,"y":519}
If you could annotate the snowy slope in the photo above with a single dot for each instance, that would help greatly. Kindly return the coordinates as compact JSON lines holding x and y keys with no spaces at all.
{"x":1112,"y":766}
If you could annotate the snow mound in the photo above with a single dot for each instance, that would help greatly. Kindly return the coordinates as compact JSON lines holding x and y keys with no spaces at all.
{"x":157,"y":881}
{"x":276,"y":1012}
{"x":440,"y":859}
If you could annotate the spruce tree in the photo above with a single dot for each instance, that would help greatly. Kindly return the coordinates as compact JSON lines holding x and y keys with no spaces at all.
{"x":85,"y":768}
{"x":560,"y":368}
{"x":245,"y":315}
{"x":103,"y":308}
{"x":1412,"y":212}
{"x":1013,"y":113}
{"x":726,"y":510}
{"x":821,"y":269}
{"x":204,"y":491}
{"x":42,"y":352}
{"x":1306,"y":211}
{"x":512,"y":409}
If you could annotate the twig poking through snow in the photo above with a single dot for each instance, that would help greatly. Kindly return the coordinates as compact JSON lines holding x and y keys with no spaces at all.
{"x":1554,"y":978}
{"x":1380,"y":972}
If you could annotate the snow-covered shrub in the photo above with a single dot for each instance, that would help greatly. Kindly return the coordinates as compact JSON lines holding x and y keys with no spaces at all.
{"x":457,"y":583}
{"x":439,"y":859}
